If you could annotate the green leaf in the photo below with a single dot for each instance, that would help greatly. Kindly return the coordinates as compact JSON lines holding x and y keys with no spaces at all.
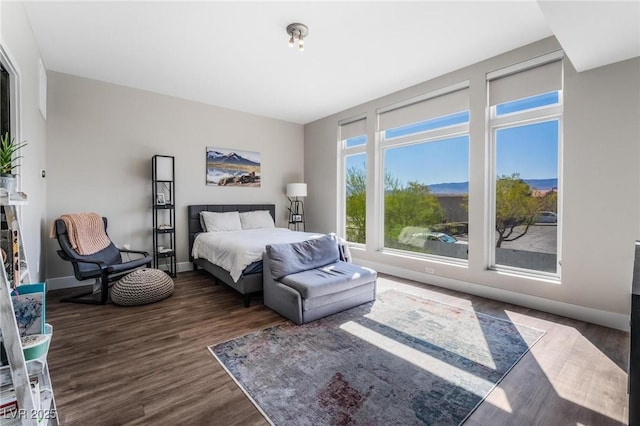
{"x":8,"y":157}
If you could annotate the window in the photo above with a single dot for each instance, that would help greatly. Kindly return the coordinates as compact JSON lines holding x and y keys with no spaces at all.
{"x":423,"y":126}
{"x":9,"y":102}
{"x":425,"y":152}
{"x":5,"y":102}
{"x":525,"y":125}
{"x":543,"y":100}
{"x":353,"y":143}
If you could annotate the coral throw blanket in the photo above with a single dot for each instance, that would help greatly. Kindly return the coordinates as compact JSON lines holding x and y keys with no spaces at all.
{"x":86,"y":232}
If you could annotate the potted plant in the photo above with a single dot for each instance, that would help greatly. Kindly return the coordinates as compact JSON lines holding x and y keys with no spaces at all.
{"x":9,"y":162}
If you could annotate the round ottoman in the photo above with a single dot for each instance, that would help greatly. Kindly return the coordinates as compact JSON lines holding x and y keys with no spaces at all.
{"x":142,"y":286}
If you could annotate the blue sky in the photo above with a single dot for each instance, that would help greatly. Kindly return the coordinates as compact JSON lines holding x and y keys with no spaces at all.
{"x":530,"y":150}
{"x":431,"y":162}
{"x":358,"y":161}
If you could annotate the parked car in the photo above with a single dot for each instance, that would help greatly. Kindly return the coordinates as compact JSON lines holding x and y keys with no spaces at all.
{"x":547,"y":217}
{"x":444,"y":238}
{"x":418,"y":236}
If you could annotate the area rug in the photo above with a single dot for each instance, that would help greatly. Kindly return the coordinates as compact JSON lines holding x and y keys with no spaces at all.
{"x":401,"y":360}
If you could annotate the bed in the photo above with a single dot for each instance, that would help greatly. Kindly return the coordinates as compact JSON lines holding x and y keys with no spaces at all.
{"x":245,"y":278}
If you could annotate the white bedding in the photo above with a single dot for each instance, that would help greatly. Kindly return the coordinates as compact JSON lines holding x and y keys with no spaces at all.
{"x":235,"y":250}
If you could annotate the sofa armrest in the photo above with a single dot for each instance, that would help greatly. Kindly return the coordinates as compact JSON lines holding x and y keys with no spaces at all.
{"x":279,"y":297}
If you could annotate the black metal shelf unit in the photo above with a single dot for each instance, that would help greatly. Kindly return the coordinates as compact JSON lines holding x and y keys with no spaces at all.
{"x":163,"y":187}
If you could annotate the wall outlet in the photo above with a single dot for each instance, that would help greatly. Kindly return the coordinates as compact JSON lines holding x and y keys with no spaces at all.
{"x":430,"y":270}
{"x":127,"y":246}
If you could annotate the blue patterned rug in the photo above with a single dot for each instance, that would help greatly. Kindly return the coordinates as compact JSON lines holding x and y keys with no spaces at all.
{"x":402,"y":360}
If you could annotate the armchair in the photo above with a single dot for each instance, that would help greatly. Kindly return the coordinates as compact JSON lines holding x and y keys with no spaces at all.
{"x":105,"y":266}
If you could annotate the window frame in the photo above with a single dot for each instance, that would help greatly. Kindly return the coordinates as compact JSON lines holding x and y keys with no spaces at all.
{"x":434,"y":135}
{"x":15,"y":97}
{"x":5,"y":109}
{"x":495,"y":123}
{"x":343,"y":152}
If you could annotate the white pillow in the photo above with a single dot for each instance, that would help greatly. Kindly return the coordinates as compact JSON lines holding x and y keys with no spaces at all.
{"x":256,"y":219}
{"x":218,"y":222}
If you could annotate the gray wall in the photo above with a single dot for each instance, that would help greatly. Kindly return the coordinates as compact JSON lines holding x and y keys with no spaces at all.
{"x":19,"y":43}
{"x":101,"y":138}
{"x":600,"y":197}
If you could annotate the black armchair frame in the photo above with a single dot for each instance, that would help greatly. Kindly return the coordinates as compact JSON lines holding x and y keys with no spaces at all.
{"x":105,"y":265}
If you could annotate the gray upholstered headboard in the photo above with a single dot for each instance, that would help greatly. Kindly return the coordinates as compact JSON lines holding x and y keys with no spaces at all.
{"x":194,"y":215}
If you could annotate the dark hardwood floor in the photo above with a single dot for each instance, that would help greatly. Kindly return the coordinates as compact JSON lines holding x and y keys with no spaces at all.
{"x":150,"y":364}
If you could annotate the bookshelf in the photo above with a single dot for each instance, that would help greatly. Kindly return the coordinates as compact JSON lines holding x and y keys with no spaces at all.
{"x":164,"y":213}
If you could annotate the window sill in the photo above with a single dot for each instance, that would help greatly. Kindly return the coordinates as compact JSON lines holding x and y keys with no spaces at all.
{"x":448,"y":261}
{"x":527,"y":274}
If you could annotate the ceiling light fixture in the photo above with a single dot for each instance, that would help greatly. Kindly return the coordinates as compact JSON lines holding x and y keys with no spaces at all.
{"x":297,"y":32}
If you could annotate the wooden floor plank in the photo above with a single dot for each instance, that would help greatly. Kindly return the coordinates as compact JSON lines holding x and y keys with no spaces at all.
{"x":150,"y":364}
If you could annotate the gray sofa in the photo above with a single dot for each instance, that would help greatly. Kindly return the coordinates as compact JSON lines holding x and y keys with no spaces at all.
{"x":307,"y":281}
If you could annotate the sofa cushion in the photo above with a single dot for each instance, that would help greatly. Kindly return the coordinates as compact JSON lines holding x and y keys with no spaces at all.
{"x":352,"y":297}
{"x":286,"y":259}
{"x":328,"y":279}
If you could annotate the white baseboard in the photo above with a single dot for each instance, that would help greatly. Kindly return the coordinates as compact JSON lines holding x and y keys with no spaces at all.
{"x":185,"y":266}
{"x":583,"y":313}
{"x":70,"y":281}
{"x":65,"y":282}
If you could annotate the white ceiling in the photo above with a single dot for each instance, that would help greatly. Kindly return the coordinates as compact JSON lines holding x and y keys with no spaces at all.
{"x":235,"y":54}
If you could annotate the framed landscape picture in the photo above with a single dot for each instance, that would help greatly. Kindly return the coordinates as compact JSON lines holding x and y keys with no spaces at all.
{"x":231,"y":167}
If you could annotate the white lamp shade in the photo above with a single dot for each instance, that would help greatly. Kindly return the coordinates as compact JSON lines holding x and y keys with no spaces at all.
{"x":296,"y":190}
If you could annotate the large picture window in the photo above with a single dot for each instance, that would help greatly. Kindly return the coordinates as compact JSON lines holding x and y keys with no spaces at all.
{"x":353,"y":143}
{"x":425,"y":152}
{"x":426,"y":197}
{"x":356,"y":198}
{"x":525,"y":125}
{"x":416,"y":170}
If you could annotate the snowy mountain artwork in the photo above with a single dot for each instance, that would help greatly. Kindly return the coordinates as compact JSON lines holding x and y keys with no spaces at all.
{"x":231,"y":167}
